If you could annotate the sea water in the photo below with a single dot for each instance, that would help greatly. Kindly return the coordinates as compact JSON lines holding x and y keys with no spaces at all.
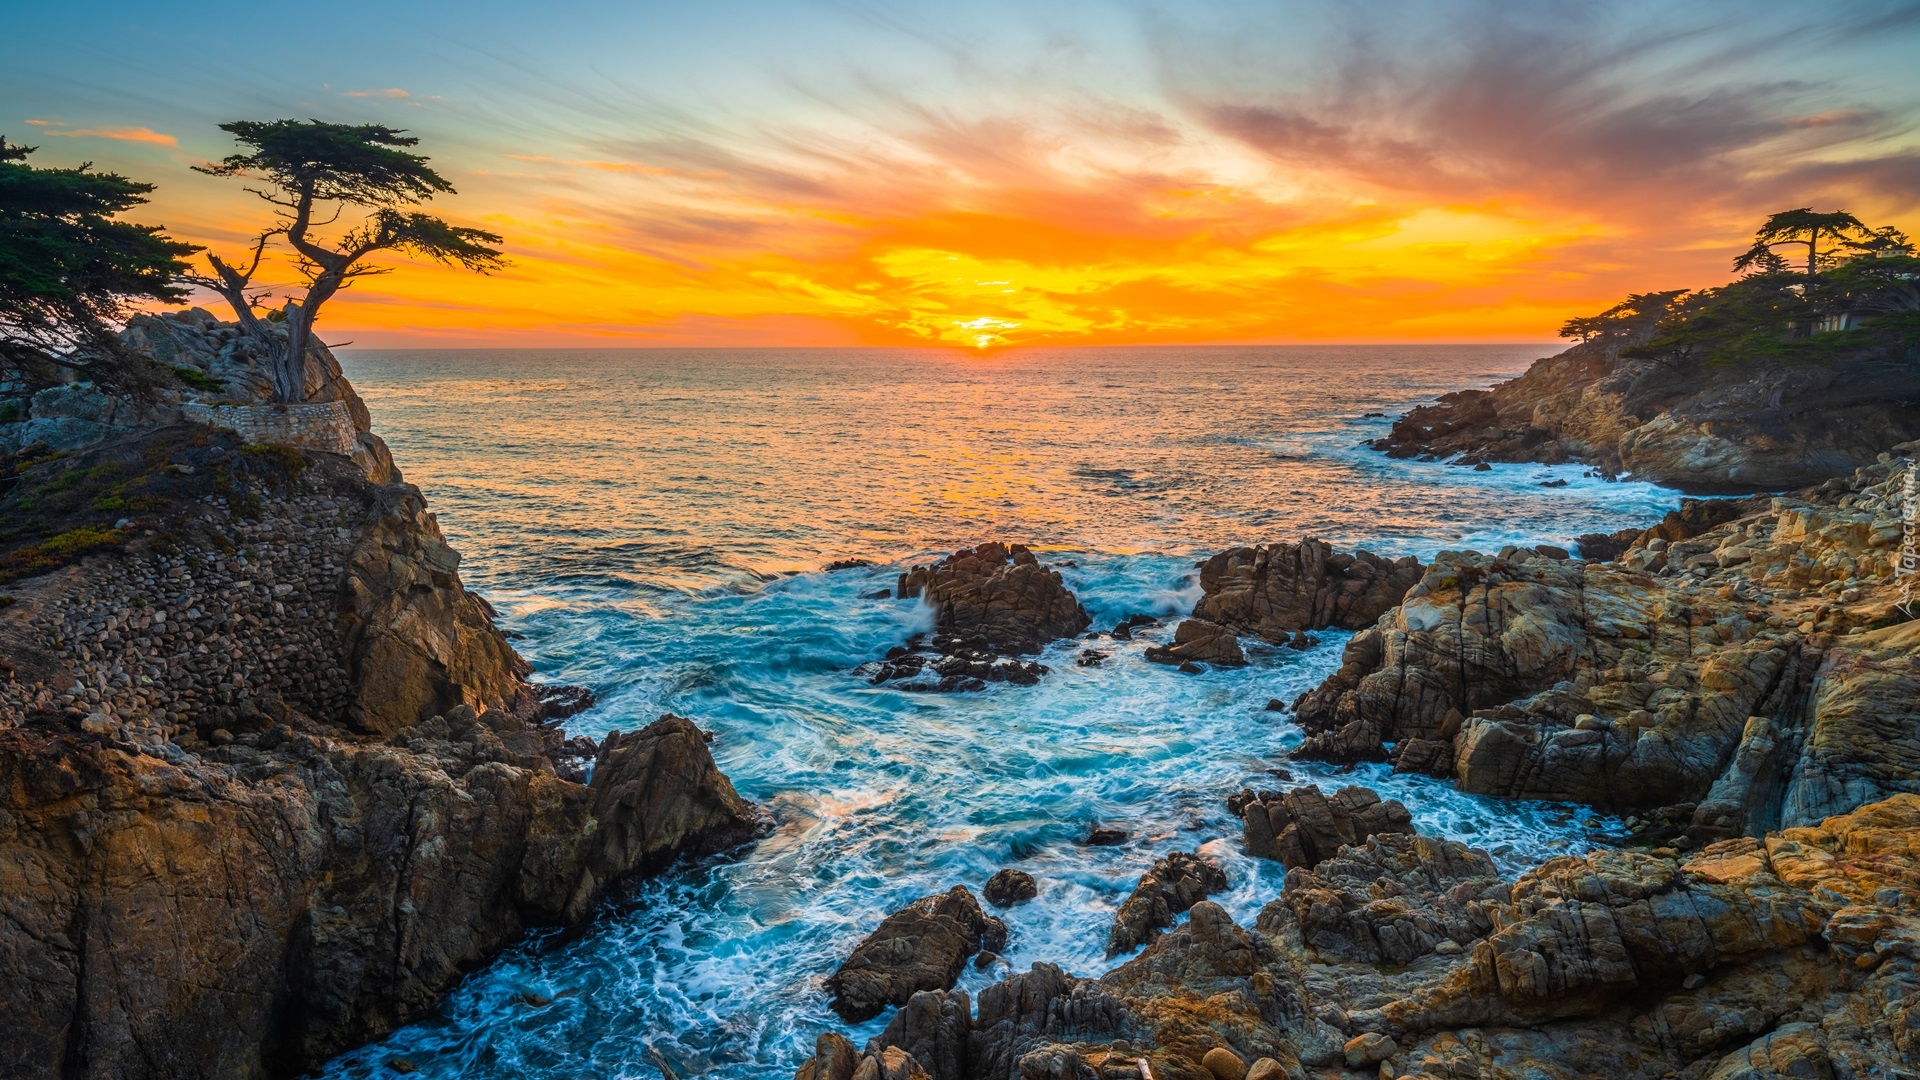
{"x":654,"y":523}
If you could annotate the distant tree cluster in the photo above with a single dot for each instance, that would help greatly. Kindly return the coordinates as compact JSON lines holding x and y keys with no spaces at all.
{"x":71,"y":273}
{"x":1857,"y":292}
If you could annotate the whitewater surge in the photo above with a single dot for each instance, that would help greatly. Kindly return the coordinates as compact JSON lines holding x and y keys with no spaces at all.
{"x":658,"y":584}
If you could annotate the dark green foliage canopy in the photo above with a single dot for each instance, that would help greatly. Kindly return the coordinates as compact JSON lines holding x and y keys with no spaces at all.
{"x":1802,"y":226}
{"x":353,"y":163}
{"x":70,"y":272}
{"x":1860,"y":300}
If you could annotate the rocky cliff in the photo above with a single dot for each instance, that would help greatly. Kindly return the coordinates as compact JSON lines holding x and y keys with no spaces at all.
{"x":270,"y":779}
{"x":1406,"y":956}
{"x":1753,"y":674}
{"x":1687,"y":424}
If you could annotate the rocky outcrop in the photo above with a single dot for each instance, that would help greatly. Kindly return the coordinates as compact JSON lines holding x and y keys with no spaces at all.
{"x":270,"y":780}
{"x":1202,"y":642}
{"x":1279,"y":590}
{"x":1738,"y":667}
{"x":998,"y":595}
{"x":923,"y":946}
{"x":1174,"y":884}
{"x":220,"y":365}
{"x":1009,"y":887}
{"x":1687,"y":425}
{"x":1406,"y":956}
{"x":1306,"y":827}
{"x":317,"y":890}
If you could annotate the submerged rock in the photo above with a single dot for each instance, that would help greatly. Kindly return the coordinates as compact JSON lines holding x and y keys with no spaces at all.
{"x":1279,"y":590}
{"x":1173,"y":885}
{"x":1305,"y":827}
{"x":923,"y":946}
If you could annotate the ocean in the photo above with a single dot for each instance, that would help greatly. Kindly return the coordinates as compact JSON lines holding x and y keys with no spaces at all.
{"x":654,"y":524}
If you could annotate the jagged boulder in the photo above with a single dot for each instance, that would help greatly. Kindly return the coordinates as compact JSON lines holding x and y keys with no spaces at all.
{"x":999,"y":595}
{"x":356,"y":882}
{"x":1009,"y":887}
{"x":1305,"y":827}
{"x":1199,"y":641}
{"x":923,"y":946}
{"x":1279,"y":590}
{"x":1407,"y":956}
{"x":1173,"y":885}
{"x":1746,"y":668}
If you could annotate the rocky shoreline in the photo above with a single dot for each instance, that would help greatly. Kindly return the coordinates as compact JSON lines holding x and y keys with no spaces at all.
{"x":271,"y":781}
{"x":1736,"y":678}
{"x":270,"y":774}
{"x":1686,"y":424}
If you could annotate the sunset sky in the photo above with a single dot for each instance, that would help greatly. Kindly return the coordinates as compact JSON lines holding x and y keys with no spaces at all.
{"x":982,"y":174}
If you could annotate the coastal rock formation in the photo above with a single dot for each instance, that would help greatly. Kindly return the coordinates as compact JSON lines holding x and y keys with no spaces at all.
{"x":1747,"y":667}
{"x":999,"y":595}
{"x":923,"y":946}
{"x":1695,"y":427}
{"x":1199,"y":641}
{"x":946,"y":663}
{"x":1406,"y":956}
{"x":1009,"y":887}
{"x":270,"y":780}
{"x":1173,"y":885}
{"x":1305,"y":827}
{"x":319,"y":890}
{"x":221,"y":365}
{"x":1278,"y":590}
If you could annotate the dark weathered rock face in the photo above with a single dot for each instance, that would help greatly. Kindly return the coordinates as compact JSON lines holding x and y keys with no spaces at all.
{"x":1009,"y":887}
{"x":1305,"y":827}
{"x":1686,"y":425}
{"x":1407,"y":956}
{"x":270,"y":780}
{"x":999,"y":595}
{"x":233,"y":368}
{"x":1715,"y":663}
{"x":1199,"y":641}
{"x":1281,"y":589}
{"x":923,"y":946}
{"x":416,"y":642}
{"x":1173,"y":885}
{"x":317,"y":894}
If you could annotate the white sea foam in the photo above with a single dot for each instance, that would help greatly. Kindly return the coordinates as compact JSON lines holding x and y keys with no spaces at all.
{"x":638,"y":520}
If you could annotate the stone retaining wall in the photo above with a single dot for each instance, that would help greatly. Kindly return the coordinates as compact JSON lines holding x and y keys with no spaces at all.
{"x":322,"y":425}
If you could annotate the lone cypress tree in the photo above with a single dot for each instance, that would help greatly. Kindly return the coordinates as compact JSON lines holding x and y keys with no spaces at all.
{"x":70,"y":274}
{"x":311,"y":171}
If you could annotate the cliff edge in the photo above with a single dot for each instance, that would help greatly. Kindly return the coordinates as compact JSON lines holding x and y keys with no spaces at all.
{"x":270,"y":779}
{"x":1685,"y":423}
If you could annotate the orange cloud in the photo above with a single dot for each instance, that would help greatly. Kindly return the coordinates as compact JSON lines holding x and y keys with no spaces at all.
{"x":118,"y":134}
{"x":1483,"y":191}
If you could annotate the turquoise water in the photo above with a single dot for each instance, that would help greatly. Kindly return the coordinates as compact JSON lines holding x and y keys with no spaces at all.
{"x":654,"y":522}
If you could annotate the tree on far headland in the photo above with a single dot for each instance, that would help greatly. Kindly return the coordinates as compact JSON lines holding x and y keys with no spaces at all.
{"x":70,"y":274}
{"x":1859,"y":299}
{"x":311,"y":172}
{"x":1802,"y":226}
